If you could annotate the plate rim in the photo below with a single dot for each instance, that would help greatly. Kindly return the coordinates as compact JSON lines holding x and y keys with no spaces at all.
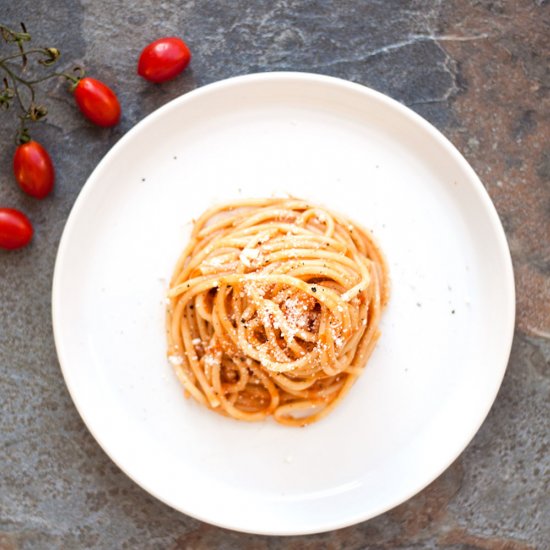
{"x":292,"y":76}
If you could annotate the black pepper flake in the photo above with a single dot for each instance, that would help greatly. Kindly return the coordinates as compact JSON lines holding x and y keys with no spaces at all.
{"x":314,"y":289}
{"x":453,"y":312}
{"x":243,"y":320}
{"x":142,"y":179}
{"x":191,"y":306}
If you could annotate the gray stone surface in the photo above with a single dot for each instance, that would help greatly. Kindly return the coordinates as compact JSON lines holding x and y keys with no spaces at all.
{"x":477,"y":70}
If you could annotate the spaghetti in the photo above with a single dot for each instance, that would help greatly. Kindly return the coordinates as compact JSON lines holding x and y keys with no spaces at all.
{"x":274,"y":308}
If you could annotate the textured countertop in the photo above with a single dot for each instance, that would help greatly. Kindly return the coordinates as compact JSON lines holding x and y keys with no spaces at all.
{"x":478,"y":70}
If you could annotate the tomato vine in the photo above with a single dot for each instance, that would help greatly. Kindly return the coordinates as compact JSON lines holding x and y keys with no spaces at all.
{"x":20,"y":88}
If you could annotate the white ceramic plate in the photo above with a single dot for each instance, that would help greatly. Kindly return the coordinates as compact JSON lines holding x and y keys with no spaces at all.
{"x":446,"y":334}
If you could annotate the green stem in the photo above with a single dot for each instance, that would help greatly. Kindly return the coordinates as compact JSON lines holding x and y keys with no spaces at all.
{"x":27,"y":83}
{"x":14,"y":79}
{"x":73,"y":79}
{"x":16,"y":55}
{"x":16,"y":36}
{"x":11,"y":73}
{"x":22,"y":136}
{"x":17,"y":95}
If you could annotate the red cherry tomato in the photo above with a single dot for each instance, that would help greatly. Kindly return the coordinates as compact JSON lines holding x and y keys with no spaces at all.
{"x":33,"y":169}
{"x":163,"y":59}
{"x":97,"y":102}
{"x":15,"y":229}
